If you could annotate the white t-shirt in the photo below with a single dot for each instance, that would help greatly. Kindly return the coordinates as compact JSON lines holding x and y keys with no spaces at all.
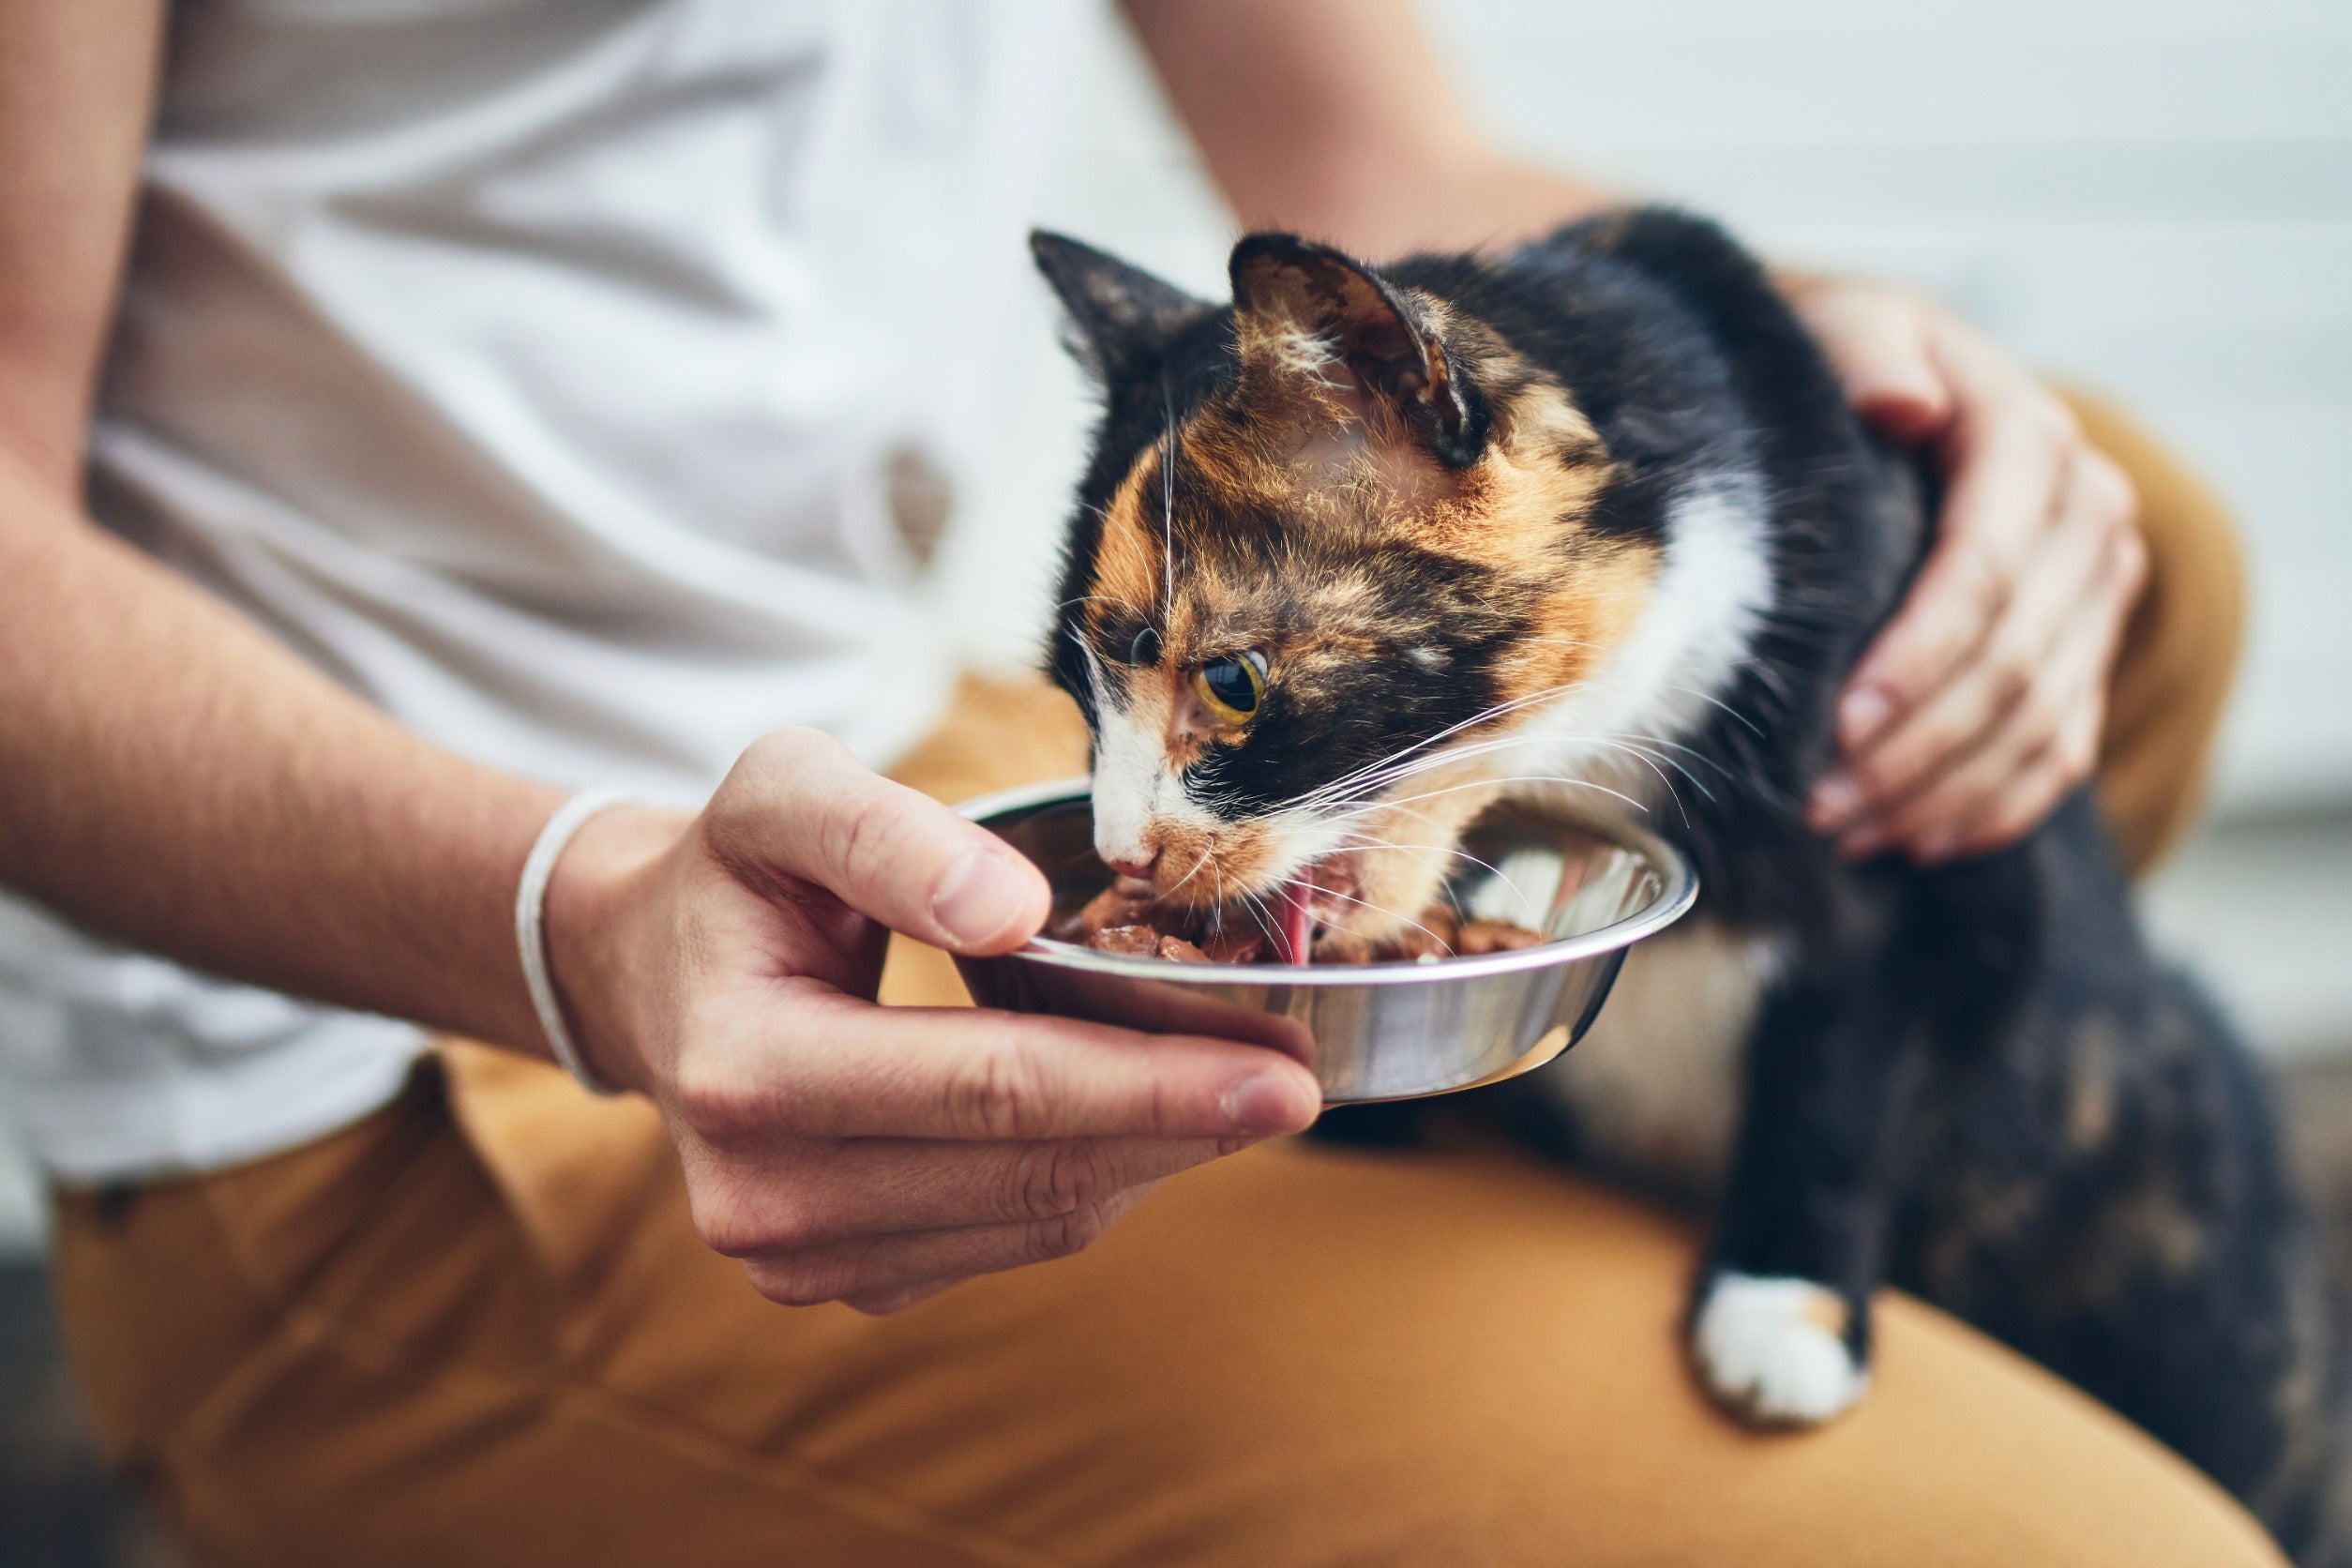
{"x":536,"y":369}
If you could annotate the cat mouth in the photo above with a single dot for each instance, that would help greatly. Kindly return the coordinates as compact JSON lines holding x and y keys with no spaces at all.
{"x":1315,"y":897}
{"x":1285,"y":921}
{"x":1314,"y":915}
{"x":1294,"y":919}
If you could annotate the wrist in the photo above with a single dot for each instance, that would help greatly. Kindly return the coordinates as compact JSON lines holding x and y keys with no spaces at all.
{"x":600,"y":961}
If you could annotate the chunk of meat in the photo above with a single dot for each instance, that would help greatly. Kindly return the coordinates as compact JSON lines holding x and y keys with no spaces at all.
{"x":1238,"y":942}
{"x":1494,"y":936}
{"x":1435,"y":935}
{"x":1123,"y":903}
{"x":1132,"y":942}
{"x":1343,"y":948}
{"x":1125,"y":919}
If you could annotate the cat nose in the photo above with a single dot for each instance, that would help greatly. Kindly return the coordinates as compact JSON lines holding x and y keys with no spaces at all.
{"x":1137,"y":868}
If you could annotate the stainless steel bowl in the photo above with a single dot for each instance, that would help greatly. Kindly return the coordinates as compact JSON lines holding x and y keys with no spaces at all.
{"x":1376,"y":1032}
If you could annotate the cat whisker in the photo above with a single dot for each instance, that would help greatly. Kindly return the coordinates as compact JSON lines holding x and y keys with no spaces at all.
{"x":1355,"y":778}
{"x":1361,"y":806}
{"x":1381,"y":778}
{"x":1654,"y":755}
{"x":1177,"y":886}
{"x":1379,"y":909}
{"x":1482,"y":717}
{"x":1248,"y":906}
{"x":1168,"y":513}
{"x":1372,"y":841}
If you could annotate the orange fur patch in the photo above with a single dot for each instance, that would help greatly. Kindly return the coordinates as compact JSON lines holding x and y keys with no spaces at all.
{"x":1128,"y":555}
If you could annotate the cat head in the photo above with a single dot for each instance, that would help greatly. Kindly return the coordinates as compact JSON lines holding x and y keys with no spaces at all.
{"x":1336,"y":552}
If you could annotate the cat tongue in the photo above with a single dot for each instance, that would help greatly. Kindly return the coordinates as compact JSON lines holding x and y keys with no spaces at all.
{"x":1294,"y":924}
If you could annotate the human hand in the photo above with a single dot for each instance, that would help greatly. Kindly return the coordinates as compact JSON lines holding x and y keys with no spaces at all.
{"x":1980,"y":704}
{"x":726,"y":965}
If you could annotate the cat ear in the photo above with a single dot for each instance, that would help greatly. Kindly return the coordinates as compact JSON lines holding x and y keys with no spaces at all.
{"x":1121,"y":316}
{"x":1303,"y":305}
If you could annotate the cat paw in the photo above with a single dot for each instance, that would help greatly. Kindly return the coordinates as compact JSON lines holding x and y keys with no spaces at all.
{"x":1772,"y":1351}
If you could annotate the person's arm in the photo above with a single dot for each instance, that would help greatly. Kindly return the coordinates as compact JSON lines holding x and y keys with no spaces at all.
{"x":168,"y":774}
{"x":1981,"y":702}
{"x":172,"y":777}
{"x":1334,"y":118}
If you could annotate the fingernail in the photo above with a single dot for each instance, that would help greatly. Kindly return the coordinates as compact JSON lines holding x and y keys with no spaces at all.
{"x":1862,"y":714}
{"x":1267,"y":1103}
{"x":1836,"y":798}
{"x":983,"y":892}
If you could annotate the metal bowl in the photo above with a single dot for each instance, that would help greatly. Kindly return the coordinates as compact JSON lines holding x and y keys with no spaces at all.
{"x":1373,"y":1031}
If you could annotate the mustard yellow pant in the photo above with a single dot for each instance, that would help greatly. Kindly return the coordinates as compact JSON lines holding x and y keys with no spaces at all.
{"x":478,"y":1329}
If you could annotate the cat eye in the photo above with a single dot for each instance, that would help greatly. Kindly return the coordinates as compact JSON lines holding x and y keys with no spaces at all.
{"x":1231,"y":688}
{"x":1145,"y":649}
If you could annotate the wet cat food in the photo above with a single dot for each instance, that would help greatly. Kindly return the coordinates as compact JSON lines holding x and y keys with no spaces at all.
{"x":1125,"y":919}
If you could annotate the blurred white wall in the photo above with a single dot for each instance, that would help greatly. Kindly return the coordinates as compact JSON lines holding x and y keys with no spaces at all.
{"x":2154,"y":197}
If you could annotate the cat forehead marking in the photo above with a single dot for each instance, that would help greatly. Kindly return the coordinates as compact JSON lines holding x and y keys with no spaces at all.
{"x":1282,"y":513}
{"x":1128,"y":573}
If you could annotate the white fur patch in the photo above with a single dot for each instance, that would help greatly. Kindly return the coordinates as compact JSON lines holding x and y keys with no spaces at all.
{"x":1713,"y":587}
{"x":1130,"y":762}
{"x":1764,"y":1355}
{"x":1133,"y":785}
{"x":1655,"y":1087}
{"x":1297,"y":351}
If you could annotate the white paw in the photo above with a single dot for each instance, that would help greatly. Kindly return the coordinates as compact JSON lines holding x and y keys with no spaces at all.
{"x":1769,"y":1351}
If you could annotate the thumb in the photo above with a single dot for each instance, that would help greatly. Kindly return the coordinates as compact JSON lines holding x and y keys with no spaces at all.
{"x":1878,"y":345}
{"x":798,"y":803}
{"x":1895,"y":385}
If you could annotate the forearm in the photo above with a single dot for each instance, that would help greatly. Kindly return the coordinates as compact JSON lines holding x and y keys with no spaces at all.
{"x":1483,"y":201}
{"x":172,"y":777}
{"x":1329,"y":118}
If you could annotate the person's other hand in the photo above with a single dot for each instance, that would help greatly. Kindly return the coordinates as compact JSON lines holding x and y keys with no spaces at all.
{"x":726,"y":965}
{"x":1979,"y":703}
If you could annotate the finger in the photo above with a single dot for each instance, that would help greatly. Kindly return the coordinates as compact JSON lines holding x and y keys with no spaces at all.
{"x":819,"y":1192}
{"x":798,"y":803}
{"x":2018,"y":690}
{"x":817,"y":1063}
{"x":2036,"y":754}
{"x":2007,"y":683}
{"x":2057,"y":772}
{"x":1961,"y":795}
{"x":880,"y":1268}
{"x":890,"y":1302}
{"x":1877,"y":341}
{"x":2008,"y":458}
{"x":2066,"y":759}
{"x":899,"y":1297}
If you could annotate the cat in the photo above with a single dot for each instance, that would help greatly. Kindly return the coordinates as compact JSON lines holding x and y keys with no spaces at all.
{"x":1372,"y":548}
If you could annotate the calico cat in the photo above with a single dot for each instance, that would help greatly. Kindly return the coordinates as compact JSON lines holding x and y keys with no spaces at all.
{"x":1372,"y":548}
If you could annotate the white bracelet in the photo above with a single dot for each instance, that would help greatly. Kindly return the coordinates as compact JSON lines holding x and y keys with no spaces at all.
{"x":531,"y":923}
